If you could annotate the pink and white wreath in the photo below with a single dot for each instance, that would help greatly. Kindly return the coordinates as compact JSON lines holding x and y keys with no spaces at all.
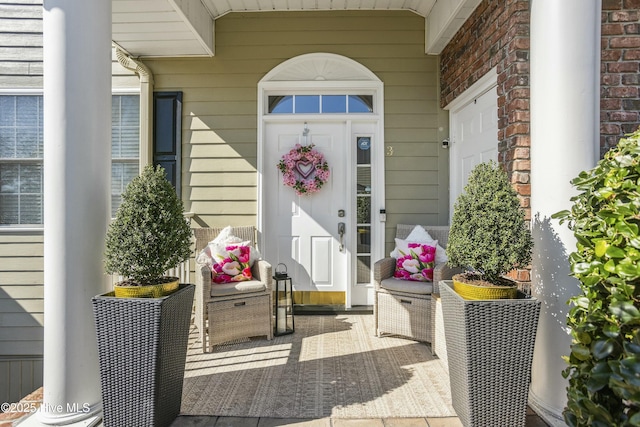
{"x":304,"y":169}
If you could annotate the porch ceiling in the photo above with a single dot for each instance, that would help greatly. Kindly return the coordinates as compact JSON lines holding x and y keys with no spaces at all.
{"x":173,"y":28}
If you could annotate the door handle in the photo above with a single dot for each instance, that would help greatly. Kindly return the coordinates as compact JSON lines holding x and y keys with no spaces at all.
{"x":341,"y":231}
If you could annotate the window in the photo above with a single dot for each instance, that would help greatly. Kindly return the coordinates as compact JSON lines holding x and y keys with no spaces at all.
{"x":21,"y":155}
{"x":320,"y":104}
{"x":363,"y":205}
{"x":125,"y":145}
{"x":21,"y":160}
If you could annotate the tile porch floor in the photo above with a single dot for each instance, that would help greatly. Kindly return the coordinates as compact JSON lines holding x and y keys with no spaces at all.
{"x":533,"y":420}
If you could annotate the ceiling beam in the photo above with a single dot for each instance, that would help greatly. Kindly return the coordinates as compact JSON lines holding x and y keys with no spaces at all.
{"x":444,"y":21}
{"x":196,"y":16}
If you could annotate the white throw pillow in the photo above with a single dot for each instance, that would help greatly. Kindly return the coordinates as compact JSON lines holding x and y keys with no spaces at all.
{"x":226,"y":236}
{"x":420,"y":235}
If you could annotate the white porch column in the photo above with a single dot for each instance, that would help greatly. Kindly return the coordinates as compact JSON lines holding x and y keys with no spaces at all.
{"x":565,"y":80}
{"x":77,"y":153}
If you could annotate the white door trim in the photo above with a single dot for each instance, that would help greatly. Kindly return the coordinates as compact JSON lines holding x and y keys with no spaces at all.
{"x":321,"y":73}
{"x":474,"y":91}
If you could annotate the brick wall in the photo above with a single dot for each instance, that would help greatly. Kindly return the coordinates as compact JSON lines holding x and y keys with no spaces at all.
{"x":620,"y":81}
{"x":497,"y":35}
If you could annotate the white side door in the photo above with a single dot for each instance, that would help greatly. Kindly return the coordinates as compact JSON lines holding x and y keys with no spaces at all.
{"x":474,"y":136}
{"x":302,"y":231}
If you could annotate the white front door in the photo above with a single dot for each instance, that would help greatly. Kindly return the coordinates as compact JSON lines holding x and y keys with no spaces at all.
{"x":303,"y":231}
{"x":474,"y":136}
{"x":342,"y":104}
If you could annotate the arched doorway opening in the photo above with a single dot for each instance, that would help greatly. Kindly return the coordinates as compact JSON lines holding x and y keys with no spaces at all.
{"x":327,"y":239}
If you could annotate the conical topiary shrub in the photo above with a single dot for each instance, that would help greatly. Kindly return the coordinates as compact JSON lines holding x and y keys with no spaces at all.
{"x":142,"y":342}
{"x":488,"y":235}
{"x":490,"y":337}
{"x":149,"y":234}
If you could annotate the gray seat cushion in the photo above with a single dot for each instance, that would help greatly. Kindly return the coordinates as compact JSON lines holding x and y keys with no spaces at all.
{"x":396,"y":285}
{"x":237,"y":288}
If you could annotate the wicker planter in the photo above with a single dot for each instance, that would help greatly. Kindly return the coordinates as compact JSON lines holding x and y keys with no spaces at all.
{"x":490,"y":350}
{"x":142,"y":348}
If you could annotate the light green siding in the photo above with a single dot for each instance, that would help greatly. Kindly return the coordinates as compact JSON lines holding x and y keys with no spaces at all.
{"x":21,"y":265}
{"x":21,"y":44}
{"x":220,"y":108}
{"x":21,"y":313}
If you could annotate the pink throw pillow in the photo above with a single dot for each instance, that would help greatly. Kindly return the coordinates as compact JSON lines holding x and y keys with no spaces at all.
{"x":233,"y":266}
{"x":416,"y":262}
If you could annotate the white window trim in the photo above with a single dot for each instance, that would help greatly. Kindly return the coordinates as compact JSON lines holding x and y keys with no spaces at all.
{"x":22,"y":91}
{"x":39,"y":229}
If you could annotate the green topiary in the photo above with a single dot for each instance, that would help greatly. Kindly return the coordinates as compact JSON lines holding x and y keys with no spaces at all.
{"x":149,"y":234}
{"x":488,"y":232}
{"x":604,"y":364}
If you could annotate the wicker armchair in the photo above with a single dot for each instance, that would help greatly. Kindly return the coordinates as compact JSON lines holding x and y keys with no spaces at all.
{"x":232,"y":311}
{"x":402,"y":307}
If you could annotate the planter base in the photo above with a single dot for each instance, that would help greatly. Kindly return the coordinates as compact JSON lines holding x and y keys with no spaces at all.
{"x":490,"y":349}
{"x":142,"y":349}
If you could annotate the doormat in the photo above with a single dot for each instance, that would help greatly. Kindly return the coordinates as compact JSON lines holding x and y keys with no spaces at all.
{"x":332,"y":366}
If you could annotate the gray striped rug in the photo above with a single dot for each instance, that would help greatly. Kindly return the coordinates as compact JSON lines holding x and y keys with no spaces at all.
{"x":332,"y":366}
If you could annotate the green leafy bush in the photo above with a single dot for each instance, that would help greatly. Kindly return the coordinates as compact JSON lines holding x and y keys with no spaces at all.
{"x":488,"y":231}
{"x":149,"y":234}
{"x":604,"y":364}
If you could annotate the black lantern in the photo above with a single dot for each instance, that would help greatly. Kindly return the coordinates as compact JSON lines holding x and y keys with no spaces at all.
{"x":283,"y":302}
